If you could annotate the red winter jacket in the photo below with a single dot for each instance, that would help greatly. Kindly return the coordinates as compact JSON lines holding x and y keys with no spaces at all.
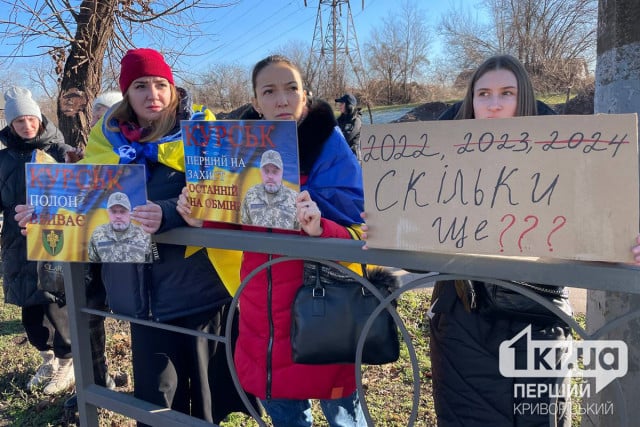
{"x":263,"y":358}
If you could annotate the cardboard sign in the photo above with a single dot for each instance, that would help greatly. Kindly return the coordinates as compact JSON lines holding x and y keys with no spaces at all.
{"x":545,"y":186}
{"x":224,"y":162}
{"x":72,"y":201}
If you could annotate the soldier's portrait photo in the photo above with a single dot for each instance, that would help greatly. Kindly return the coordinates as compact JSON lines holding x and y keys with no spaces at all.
{"x":270,"y":203}
{"x":119,"y":240}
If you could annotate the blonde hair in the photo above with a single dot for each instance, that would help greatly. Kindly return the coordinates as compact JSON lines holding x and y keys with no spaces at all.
{"x":123,"y":112}
{"x":526,"y":97}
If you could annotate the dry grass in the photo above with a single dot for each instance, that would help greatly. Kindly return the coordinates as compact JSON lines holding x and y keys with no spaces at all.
{"x":388,"y":388}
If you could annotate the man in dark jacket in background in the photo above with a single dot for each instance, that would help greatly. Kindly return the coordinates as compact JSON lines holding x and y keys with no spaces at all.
{"x":349,"y":121}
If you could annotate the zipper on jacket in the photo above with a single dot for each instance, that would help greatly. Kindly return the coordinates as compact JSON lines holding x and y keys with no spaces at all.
{"x":271,"y":333}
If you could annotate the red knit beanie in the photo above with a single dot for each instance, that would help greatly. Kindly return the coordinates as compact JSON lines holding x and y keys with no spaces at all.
{"x":141,"y":63}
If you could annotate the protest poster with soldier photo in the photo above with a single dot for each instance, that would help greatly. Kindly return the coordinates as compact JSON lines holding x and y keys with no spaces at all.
{"x":83,"y":213}
{"x":243,"y":171}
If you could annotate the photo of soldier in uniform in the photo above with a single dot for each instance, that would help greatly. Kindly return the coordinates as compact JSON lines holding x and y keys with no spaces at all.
{"x":270,"y":203}
{"x":119,"y":240}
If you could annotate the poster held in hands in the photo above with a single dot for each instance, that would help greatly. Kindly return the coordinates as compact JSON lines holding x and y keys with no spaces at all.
{"x":243,"y":171}
{"x":75,"y":210}
{"x":545,"y":186}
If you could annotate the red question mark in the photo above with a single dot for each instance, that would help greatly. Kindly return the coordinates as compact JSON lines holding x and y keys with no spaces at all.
{"x":513,"y":220}
{"x":557,"y":227}
{"x":535,"y":224}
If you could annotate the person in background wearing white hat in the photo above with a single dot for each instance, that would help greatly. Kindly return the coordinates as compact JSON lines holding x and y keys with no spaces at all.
{"x":102,"y":103}
{"x":119,"y":240}
{"x":44,"y":314}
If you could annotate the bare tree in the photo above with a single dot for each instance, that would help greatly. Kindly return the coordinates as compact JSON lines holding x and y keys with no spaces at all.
{"x":224,"y":87}
{"x":397,"y":52}
{"x":77,"y":37}
{"x":554,"y":39}
{"x":384,"y":56}
{"x":415,"y":43}
{"x":468,"y":41}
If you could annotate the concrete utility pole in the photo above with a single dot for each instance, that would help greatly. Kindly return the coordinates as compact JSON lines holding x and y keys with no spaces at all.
{"x":617,"y":91}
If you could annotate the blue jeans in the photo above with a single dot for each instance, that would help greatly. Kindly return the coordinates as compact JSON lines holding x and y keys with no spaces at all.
{"x":344,"y":412}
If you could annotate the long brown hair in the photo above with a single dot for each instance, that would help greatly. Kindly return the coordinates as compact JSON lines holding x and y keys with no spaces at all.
{"x":526,"y":97}
{"x":123,"y":112}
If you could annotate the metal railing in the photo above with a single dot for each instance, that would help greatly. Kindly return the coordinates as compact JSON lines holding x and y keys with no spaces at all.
{"x":588,"y":275}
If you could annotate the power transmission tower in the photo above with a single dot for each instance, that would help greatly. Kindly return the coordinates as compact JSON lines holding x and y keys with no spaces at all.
{"x":334,"y":45}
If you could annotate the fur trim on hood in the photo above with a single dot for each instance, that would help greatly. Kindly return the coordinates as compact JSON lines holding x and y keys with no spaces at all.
{"x":313,"y":131}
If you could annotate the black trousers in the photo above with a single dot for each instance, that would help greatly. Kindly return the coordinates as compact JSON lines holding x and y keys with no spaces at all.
{"x":185,"y":373}
{"x":96,"y":299}
{"x":47,"y":327}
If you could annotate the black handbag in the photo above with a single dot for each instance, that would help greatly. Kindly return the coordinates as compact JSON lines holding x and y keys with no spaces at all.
{"x":497,"y":301}
{"x":329,"y":312}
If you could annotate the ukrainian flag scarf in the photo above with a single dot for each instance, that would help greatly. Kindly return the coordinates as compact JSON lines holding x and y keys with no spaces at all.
{"x":111,"y":147}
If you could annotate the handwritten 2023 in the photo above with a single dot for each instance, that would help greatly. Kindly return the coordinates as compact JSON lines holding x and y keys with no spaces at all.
{"x":392,"y":148}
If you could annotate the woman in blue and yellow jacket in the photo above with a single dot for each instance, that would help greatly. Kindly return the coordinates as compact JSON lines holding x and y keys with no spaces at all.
{"x":181,"y":287}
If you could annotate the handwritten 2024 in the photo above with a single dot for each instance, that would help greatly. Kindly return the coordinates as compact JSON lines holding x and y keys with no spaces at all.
{"x":505,"y":186}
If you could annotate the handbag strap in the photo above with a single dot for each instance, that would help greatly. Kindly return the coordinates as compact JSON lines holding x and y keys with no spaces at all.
{"x":318,"y":289}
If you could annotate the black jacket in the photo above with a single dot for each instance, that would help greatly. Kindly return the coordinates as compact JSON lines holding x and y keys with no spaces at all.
{"x":20,"y":278}
{"x":350,"y":125}
{"x":469,"y":322}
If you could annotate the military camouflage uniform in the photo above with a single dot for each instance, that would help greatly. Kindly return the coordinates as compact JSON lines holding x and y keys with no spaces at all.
{"x":276,"y":210}
{"x":131,"y":245}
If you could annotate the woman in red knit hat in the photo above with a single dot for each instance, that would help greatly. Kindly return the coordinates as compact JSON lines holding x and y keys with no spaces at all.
{"x":180,"y":288}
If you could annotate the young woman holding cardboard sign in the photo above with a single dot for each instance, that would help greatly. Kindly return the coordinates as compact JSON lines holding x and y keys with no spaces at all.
{"x":468,"y":324}
{"x":469,"y":319}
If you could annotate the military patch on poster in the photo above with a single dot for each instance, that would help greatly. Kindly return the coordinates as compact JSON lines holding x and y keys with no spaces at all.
{"x":53,"y":241}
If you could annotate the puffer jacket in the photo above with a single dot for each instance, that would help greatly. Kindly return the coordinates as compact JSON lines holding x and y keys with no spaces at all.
{"x":20,"y":277}
{"x":263,"y":358}
{"x":173,"y":285}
